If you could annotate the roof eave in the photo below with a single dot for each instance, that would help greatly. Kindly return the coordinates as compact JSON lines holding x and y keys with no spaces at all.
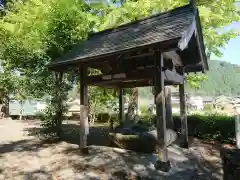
{"x":199,"y":36}
{"x":163,"y":46}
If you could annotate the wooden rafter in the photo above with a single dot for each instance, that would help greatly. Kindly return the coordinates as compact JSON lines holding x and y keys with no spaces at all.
{"x":138,"y":75}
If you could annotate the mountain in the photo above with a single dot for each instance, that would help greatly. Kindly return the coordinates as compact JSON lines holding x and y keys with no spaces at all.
{"x":223,"y":79}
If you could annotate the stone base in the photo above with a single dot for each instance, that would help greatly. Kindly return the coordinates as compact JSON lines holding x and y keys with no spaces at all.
{"x":84,"y":151}
{"x":163,"y":166}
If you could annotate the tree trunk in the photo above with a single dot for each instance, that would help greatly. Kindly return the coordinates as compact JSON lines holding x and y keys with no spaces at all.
{"x":59,"y":110}
{"x":7,"y":107}
{"x":2,"y":113}
{"x":21,"y":111}
{"x":133,"y":105}
{"x":4,"y":104}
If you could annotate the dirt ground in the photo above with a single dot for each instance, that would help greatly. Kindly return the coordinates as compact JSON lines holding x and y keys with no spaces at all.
{"x":24,"y":157}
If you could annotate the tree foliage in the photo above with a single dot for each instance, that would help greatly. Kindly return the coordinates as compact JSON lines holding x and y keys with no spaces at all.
{"x":34,"y":33}
{"x":37,"y":32}
{"x":212,"y":14}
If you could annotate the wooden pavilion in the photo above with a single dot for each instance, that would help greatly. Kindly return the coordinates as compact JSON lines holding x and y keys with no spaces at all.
{"x":155,"y":51}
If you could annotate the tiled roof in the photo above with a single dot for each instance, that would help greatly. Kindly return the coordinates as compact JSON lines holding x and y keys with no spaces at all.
{"x":177,"y":23}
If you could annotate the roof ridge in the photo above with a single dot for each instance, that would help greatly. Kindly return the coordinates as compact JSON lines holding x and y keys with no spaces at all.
{"x":153,"y":22}
{"x":119,"y":28}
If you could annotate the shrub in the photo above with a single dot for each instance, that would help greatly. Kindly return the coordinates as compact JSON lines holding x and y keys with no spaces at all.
{"x":208,"y":107}
{"x":144,"y":109}
{"x":214,"y":127}
{"x":103,"y":117}
{"x":211,"y":127}
{"x":106,"y":117}
{"x":147,"y":119}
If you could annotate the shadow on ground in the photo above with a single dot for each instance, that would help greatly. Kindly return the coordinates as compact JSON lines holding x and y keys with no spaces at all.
{"x":69,"y":162}
{"x":98,"y":134}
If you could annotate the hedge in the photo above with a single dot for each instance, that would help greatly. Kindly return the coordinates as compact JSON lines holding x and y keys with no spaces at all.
{"x":105,"y":117}
{"x":213,"y":127}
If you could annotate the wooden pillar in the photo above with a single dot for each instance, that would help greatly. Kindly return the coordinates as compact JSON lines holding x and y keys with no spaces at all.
{"x":183,"y":115}
{"x":121,"y":106}
{"x":168,"y":102}
{"x":163,"y":162}
{"x":84,"y":126}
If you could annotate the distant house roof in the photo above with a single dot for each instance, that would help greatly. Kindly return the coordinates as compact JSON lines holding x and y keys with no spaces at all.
{"x":178,"y":29}
{"x":223,"y":99}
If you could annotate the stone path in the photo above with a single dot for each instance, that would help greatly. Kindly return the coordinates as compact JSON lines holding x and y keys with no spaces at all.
{"x":24,"y":157}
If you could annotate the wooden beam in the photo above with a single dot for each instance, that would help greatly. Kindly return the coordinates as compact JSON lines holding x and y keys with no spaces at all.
{"x":171,"y":55}
{"x":176,"y":59}
{"x":183,"y":115}
{"x":163,"y":162}
{"x":108,"y":65}
{"x":204,"y":66}
{"x":166,"y":55}
{"x":84,"y":126}
{"x":139,"y":84}
{"x":131,"y":84}
{"x":63,"y":65}
{"x":136,"y":59}
{"x":139,"y":55}
{"x":142,"y":74}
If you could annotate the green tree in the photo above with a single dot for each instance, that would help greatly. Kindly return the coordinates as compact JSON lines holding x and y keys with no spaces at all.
{"x":8,"y":83}
{"x":223,"y":79}
{"x":36,"y":32}
{"x":212,"y":13}
{"x":214,"y":16}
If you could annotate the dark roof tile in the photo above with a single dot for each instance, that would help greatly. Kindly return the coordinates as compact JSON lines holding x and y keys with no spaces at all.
{"x":155,"y":29}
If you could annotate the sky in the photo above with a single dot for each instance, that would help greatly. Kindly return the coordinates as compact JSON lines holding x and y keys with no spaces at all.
{"x":231,"y":53}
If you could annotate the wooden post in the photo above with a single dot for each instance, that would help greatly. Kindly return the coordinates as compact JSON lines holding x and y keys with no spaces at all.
{"x":121,"y":106}
{"x":183,"y":116}
{"x":169,"y":117}
{"x":237,"y":130}
{"x":163,"y":163}
{"x":84,"y":126}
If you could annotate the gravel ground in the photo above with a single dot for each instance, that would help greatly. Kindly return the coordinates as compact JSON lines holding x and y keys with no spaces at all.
{"x":25,"y":157}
